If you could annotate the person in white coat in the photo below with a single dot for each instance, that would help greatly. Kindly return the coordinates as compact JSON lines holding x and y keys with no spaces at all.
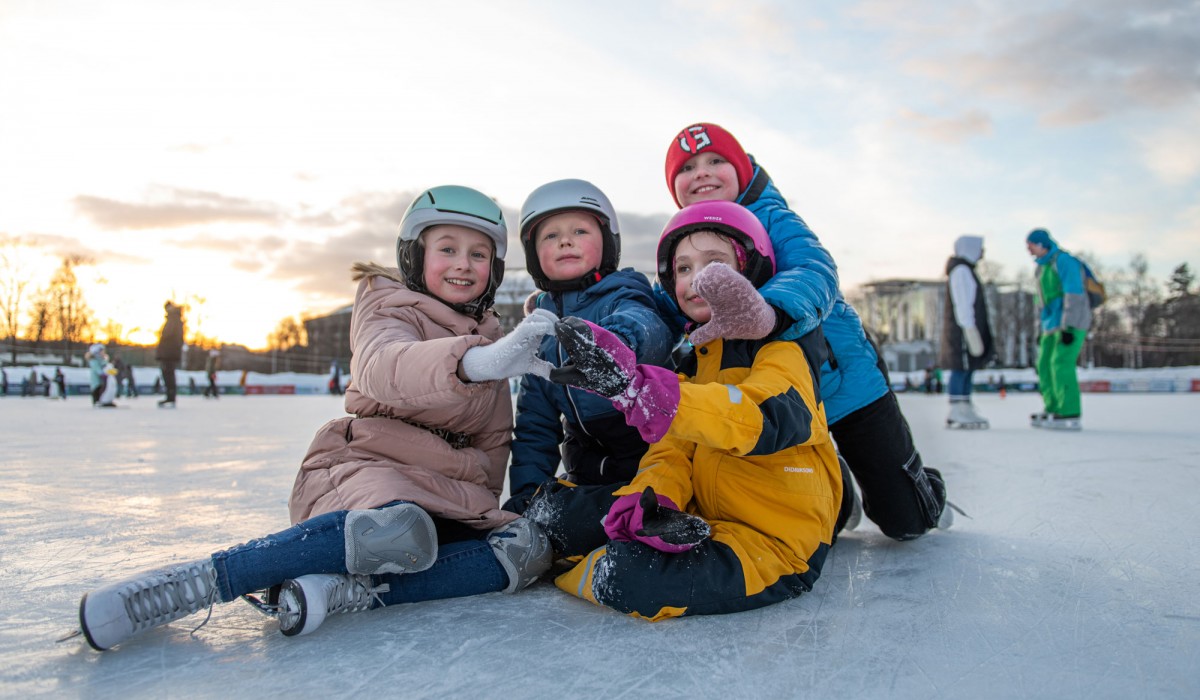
{"x":967,"y":343}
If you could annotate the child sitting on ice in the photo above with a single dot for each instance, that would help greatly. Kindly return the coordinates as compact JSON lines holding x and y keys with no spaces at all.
{"x":412,"y":478}
{"x":901,"y":495}
{"x":735,"y":503}
{"x":572,"y":243}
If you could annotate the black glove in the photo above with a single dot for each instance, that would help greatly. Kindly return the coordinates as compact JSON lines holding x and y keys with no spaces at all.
{"x":1067,"y":337}
{"x":671,"y":526}
{"x":591,"y":367}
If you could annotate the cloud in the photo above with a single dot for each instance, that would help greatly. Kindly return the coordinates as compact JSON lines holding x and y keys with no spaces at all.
{"x":174,"y":208}
{"x":55,"y":246}
{"x":1073,"y":62}
{"x":951,"y":130}
{"x":1172,"y":153}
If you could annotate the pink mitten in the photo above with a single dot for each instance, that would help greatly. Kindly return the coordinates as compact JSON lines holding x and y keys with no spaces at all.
{"x":654,"y":521}
{"x":738,"y":310}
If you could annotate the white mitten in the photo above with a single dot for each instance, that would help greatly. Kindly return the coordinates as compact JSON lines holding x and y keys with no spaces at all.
{"x":514,"y":354}
{"x":974,"y":341}
{"x":738,"y":310}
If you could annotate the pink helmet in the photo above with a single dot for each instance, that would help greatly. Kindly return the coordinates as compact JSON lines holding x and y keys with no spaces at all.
{"x":728,"y":219}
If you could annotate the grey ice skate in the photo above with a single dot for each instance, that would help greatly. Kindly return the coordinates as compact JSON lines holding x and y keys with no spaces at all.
{"x":305,"y":601}
{"x":1055,"y":422}
{"x":963,"y":417}
{"x":1038,"y":420}
{"x":399,"y":539}
{"x":523,"y":550}
{"x":112,"y":614}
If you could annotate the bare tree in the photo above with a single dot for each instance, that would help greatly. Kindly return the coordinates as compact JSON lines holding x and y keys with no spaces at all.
{"x":14,"y":281}
{"x":69,"y":310}
{"x":287,"y":335}
{"x":1141,"y":292}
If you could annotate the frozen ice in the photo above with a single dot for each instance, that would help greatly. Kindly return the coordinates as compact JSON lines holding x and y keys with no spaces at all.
{"x":1075,"y":576}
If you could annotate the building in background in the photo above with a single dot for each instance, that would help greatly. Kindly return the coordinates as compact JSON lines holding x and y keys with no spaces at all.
{"x":905,"y":318}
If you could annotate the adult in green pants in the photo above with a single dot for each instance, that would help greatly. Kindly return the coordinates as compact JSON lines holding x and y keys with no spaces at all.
{"x":1065,"y":319}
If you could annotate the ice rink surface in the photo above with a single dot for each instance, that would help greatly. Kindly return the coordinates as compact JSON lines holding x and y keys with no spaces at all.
{"x":1077,"y":576}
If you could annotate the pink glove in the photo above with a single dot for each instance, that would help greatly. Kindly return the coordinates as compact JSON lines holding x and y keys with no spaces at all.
{"x":647,"y":395}
{"x":654,"y":521}
{"x":738,"y":310}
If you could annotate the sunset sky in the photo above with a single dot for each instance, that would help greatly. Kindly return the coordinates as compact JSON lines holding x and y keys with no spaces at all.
{"x":248,"y":152}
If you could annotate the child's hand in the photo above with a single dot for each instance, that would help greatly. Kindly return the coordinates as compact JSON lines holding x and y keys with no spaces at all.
{"x":654,"y":521}
{"x":600,"y":362}
{"x":514,"y":354}
{"x":648,"y":396}
{"x":738,"y":310}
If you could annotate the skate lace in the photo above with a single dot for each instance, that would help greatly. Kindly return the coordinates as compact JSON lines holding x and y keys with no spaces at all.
{"x":169,"y":596}
{"x":354,"y":593}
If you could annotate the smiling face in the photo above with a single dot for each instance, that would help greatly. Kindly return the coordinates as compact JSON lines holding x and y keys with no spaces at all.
{"x":458,"y":262}
{"x":692,"y":254}
{"x":706,"y":177}
{"x":569,"y":245}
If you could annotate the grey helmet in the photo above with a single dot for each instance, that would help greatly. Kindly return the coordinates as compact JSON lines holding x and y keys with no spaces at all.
{"x":570,"y":195}
{"x":461,"y":206}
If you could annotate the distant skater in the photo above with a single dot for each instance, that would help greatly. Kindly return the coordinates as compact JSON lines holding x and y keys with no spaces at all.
{"x":170,"y":349}
{"x":967,"y":343}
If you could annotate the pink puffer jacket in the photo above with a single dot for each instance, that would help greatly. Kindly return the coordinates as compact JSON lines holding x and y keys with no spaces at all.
{"x":418,"y":433}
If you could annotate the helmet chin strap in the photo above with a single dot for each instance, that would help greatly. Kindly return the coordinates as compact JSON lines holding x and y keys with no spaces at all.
{"x":579,"y":283}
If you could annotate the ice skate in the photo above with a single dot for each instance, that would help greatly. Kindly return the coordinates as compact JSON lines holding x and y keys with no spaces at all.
{"x":1055,"y":422}
{"x":398,"y":539}
{"x":166,"y":404}
{"x":1038,"y":420}
{"x":856,"y":512}
{"x":113,"y":614}
{"x":854,"y":518}
{"x":963,"y":417}
{"x":523,"y":550}
{"x":305,"y":601}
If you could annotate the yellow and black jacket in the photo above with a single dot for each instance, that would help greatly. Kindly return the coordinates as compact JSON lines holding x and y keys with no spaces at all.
{"x":750,"y":452}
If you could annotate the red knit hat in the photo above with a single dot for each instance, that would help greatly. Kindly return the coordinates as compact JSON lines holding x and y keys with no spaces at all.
{"x":705,"y":136}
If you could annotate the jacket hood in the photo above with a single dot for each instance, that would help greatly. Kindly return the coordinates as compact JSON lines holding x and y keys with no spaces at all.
{"x":361,"y":270}
{"x":969,"y":248}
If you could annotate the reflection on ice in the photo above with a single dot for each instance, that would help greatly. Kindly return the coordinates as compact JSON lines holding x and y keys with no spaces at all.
{"x":1071,"y":579}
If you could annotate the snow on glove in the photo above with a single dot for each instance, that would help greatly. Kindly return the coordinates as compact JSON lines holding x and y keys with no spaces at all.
{"x":655,"y":521}
{"x":648,"y":396}
{"x":974,"y":341}
{"x":738,"y":310}
{"x":514,"y":354}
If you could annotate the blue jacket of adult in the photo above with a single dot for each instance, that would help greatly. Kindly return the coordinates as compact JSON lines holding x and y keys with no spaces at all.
{"x":1061,"y":288}
{"x":805,"y":287}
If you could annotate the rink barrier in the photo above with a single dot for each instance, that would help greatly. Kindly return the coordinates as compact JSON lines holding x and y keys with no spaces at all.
{"x":260,"y":389}
{"x":1088,"y":386}
{"x":1139,"y":386}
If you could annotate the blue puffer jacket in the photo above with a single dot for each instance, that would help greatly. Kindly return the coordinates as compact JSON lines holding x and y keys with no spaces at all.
{"x":805,"y":287}
{"x":597,"y":446}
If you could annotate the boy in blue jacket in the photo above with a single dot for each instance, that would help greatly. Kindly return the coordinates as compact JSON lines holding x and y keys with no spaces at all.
{"x":902,"y":496}
{"x":572,"y":243}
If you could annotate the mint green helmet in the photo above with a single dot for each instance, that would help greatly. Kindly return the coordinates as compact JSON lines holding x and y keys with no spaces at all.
{"x":460,"y":206}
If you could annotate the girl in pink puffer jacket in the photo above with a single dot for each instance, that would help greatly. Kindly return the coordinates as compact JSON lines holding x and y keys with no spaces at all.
{"x":397,"y":502}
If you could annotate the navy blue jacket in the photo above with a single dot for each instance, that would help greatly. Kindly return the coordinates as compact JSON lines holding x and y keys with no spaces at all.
{"x":597,"y":447}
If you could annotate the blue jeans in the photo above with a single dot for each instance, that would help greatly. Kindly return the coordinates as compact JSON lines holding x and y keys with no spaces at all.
{"x":464,"y":566}
{"x":960,"y":384}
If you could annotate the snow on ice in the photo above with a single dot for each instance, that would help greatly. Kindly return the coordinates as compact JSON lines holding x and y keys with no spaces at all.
{"x":1074,"y":577}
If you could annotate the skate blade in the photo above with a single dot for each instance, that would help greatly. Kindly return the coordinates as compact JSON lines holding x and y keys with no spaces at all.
{"x":69,"y":635}
{"x":950,"y":425}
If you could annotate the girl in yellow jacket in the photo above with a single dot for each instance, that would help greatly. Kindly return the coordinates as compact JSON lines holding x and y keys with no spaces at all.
{"x":735,"y":505}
